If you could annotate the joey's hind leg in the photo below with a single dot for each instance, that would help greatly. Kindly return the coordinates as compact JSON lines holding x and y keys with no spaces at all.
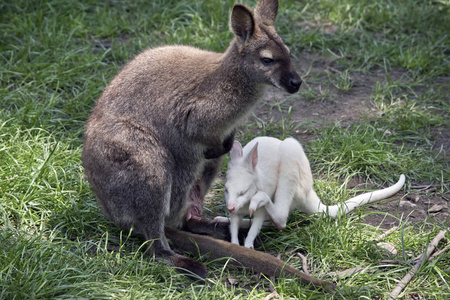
{"x":291,"y":167}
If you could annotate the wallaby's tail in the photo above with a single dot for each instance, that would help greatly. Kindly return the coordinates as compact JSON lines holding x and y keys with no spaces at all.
{"x":343,"y":208}
{"x":255,"y":260}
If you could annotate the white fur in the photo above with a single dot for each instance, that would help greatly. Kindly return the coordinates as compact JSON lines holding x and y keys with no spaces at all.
{"x":269,"y":178}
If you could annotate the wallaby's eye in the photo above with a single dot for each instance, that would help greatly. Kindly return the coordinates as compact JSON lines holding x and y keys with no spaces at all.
{"x":225,"y":190}
{"x":267,"y":61}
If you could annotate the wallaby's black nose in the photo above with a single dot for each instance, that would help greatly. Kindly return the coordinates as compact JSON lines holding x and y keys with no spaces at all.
{"x":295,"y":83}
{"x":291,"y":82}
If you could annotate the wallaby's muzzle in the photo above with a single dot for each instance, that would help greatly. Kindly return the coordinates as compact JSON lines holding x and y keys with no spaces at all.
{"x":291,"y":82}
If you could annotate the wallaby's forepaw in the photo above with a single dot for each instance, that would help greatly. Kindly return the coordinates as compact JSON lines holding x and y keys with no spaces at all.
{"x":228,"y":142}
{"x":223,"y":148}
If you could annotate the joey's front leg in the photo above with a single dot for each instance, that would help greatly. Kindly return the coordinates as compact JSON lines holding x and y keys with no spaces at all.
{"x":255,"y":229}
{"x":235,"y":220}
{"x":260,"y":199}
{"x":221,"y":148}
{"x":278,"y":212}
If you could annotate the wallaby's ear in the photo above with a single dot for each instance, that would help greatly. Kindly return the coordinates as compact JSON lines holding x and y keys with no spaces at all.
{"x":242,"y":23}
{"x":236,"y":151}
{"x":266,"y":11}
{"x":252,"y":157}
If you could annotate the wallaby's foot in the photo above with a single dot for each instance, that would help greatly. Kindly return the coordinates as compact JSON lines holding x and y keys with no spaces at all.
{"x":204,"y":227}
{"x":192,"y":269}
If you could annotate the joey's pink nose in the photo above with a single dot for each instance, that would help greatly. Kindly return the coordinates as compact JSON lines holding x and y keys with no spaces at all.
{"x":231,"y":208}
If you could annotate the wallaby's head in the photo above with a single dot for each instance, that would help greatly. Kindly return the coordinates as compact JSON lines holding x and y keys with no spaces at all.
{"x":264,"y":56}
{"x":241,"y":179}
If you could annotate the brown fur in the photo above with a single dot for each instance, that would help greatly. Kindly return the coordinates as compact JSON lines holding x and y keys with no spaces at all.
{"x":161,"y":125}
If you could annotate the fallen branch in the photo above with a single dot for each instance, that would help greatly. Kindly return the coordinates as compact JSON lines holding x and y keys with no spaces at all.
{"x":407,"y":278}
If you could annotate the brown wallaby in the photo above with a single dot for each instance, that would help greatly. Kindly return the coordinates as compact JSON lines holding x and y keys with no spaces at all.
{"x":154,"y":139}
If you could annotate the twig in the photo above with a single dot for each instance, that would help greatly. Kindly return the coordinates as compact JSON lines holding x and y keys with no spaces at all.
{"x":437,"y":253}
{"x":385,"y":234}
{"x":347,"y":272}
{"x":333,"y":70}
{"x":391,"y":262}
{"x":407,"y":278}
{"x":421,"y":187}
{"x":273,"y":293}
{"x":304,"y":263}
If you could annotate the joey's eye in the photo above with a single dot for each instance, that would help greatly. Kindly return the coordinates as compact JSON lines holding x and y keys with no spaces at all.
{"x":241,"y":193}
{"x":267,"y":61}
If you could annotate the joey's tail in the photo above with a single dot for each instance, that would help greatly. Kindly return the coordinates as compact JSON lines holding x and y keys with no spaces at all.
{"x":257,"y":261}
{"x":343,"y":208}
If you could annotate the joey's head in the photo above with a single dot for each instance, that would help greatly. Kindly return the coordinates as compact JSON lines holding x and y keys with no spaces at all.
{"x":264,"y":56}
{"x":241,"y":178}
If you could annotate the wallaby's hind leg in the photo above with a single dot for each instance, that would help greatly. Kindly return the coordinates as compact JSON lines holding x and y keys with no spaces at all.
{"x":131,"y":176}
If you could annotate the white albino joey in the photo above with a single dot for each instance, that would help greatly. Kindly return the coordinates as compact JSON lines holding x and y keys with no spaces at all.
{"x":268,"y":178}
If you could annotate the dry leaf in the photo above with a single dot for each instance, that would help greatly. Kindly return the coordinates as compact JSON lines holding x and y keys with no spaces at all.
{"x":435,"y":208}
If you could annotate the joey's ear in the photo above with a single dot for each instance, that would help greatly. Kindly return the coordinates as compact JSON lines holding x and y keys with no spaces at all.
{"x":266,"y":11}
{"x":242,"y":23}
{"x":236,"y":151}
{"x":252,"y":158}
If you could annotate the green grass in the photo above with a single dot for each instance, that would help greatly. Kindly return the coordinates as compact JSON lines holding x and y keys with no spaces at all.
{"x":57,"y":56}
